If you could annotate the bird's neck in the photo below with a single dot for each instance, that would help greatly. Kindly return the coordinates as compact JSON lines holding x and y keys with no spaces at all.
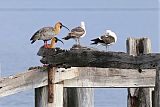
{"x":83,"y":26}
{"x":56,"y":30}
{"x":52,"y":45}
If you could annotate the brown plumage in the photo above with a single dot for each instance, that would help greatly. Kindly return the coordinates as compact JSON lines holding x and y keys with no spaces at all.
{"x":47,"y":33}
{"x":76,"y":33}
{"x":107,"y":39}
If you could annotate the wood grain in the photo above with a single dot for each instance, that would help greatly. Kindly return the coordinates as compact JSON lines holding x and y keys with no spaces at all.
{"x":98,"y":77}
{"x":92,"y":58}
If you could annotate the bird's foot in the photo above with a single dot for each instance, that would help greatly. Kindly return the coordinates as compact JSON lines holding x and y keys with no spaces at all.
{"x":46,"y":46}
{"x":45,"y":65}
{"x":51,"y":46}
{"x":77,"y":46}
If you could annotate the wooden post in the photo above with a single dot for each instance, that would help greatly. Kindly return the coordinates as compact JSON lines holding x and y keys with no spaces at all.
{"x":44,"y":95}
{"x":51,"y":95}
{"x":139,"y":97}
{"x":157,"y":88}
{"x":41,"y":96}
{"x":51,"y":72}
{"x":78,"y":97}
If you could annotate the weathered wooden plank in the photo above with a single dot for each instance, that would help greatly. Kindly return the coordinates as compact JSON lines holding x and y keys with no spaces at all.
{"x":157,"y":88}
{"x":37,"y":78}
{"x":31,"y":79}
{"x":23,"y":81}
{"x":109,"y":77}
{"x":64,"y":74}
{"x":92,"y":58}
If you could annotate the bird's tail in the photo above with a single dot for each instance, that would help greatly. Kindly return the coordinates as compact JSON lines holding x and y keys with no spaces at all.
{"x":32,"y":41}
{"x":67,"y":37}
{"x":95,"y":41}
{"x":34,"y":38}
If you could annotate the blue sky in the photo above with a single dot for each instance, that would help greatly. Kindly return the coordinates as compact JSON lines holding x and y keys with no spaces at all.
{"x":19,"y":19}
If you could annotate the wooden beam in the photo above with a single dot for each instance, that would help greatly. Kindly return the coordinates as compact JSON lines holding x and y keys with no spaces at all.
{"x":38,"y":78}
{"x":109,"y":77}
{"x":31,"y":79}
{"x":23,"y":81}
{"x":92,"y":58}
{"x":63,"y":74}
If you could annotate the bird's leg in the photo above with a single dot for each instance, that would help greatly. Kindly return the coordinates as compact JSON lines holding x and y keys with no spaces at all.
{"x":106,"y":48}
{"x":78,"y":41}
{"x":45,"y":44}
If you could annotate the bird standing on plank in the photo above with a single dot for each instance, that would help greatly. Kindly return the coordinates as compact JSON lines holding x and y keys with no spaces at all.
{"x":54,"y":40}
{"x":47,"y":33}
{"x":107,"y":39}
{"x":77,"y":33}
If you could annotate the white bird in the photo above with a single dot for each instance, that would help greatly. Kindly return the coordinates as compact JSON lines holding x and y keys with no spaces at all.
{"x":106,"y":39}
{"x":77,"y":33}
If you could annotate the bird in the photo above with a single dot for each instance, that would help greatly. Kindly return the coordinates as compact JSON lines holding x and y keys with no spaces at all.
{"x":47,"y":33}
{"x":77,"y":33}
{"x":106,"y":39}
{"x":54,"y":40}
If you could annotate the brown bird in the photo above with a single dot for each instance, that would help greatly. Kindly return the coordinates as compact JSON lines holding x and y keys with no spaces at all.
{"x":54,"y":40}
{"x":47,"y":33}
{"x":76,"y":33}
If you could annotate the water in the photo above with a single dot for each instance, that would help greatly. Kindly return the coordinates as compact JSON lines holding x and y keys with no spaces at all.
{"x":110,"y":97}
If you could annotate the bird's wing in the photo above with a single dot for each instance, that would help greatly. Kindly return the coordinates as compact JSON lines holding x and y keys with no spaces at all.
{"x":108,"y":39}
{"x":78,"y":31}
{"x":97,"y":41}
{"x":75,"y":33}
{"x":44,"y":33}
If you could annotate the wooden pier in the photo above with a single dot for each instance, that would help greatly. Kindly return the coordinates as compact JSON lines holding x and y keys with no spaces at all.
{"x":71,"y":76}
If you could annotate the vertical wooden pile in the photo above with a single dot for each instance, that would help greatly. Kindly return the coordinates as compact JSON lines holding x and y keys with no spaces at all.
{"x":157,"y":87}
{"x":139,"y":97}
{"x":78,"y":97}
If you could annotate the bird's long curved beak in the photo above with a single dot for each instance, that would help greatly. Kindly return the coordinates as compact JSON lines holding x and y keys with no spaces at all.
{"x":66,"y":27}
{"x":60,"y":40}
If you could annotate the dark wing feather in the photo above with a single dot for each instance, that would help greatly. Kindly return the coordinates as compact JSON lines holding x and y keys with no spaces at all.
{"x":96,"y":41}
